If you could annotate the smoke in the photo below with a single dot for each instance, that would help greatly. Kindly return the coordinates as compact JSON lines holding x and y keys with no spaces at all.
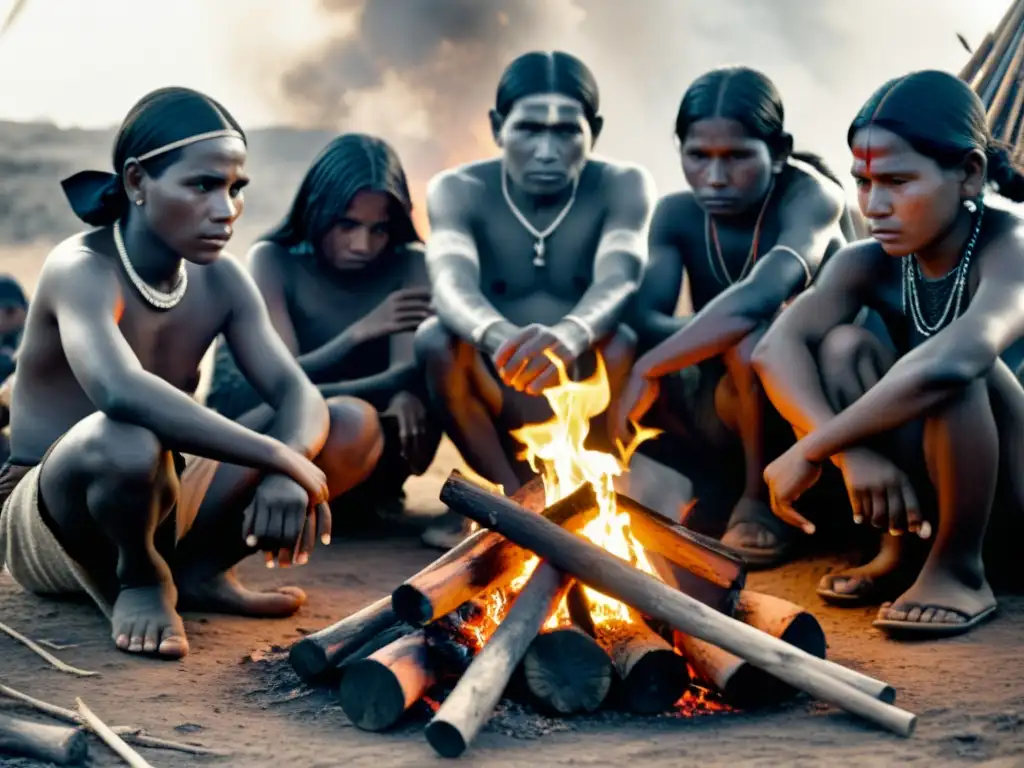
{"x":422,"y":73}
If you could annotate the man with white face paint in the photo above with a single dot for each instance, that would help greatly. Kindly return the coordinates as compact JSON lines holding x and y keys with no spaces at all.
{"x":536,"y":252}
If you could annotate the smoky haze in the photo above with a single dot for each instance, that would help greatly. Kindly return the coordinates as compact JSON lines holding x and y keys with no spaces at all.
{"x":422,"y":73}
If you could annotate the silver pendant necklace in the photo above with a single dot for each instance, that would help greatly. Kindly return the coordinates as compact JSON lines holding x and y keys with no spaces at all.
{"x":157,"y":299}
{"x":912,"y":274}
{"x":540,"y":237}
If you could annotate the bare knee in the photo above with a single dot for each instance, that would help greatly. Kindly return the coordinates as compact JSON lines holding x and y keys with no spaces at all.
{"x":851,"y":360}
{"x":433,"y":343}
{"x":126,"y":453}
{"x":354,"y":443}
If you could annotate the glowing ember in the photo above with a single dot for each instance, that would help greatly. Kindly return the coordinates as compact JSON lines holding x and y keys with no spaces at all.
{"x":555,"y":450}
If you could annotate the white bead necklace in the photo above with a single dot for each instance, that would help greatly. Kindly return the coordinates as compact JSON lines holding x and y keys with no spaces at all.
{"x":158,"y":299}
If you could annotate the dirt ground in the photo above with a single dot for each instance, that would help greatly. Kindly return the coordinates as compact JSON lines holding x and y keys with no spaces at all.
{"x":231,"y":694}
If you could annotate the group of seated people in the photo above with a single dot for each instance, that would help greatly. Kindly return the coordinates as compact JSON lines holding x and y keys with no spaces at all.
{"x":346,"y":346}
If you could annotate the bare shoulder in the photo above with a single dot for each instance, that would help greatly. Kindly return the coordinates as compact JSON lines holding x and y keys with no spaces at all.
{"x":76,"y":263}
{"x":265,"y":255}
{"x":813,"y":190}
{"x":228,"y":274}
{"x":676,"y":206}
{"x":857,"y":263}
{"x":461,"y":183}
{"x":1002,"y":254}
{"x":622,"y":176}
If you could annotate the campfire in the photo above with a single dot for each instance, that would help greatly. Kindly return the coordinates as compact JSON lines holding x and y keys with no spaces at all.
{"x":576,"y":597}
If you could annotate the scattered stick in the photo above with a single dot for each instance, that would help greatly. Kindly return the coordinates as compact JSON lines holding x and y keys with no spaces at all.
{"x":481,"y":686}
{"x":53,"y":661}
{"x":57,"y":646}
{"x":134,"y":735}
{"x":45,"y":743}
{"x":618,"y":579}
{"x":111,"y":739}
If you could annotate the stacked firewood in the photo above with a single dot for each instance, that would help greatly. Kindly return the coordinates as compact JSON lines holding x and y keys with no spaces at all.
{"x":484,"y":618}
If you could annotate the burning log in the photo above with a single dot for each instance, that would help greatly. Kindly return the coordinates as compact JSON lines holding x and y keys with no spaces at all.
{"x":484,"y":561}
{"x":704,"y":569}
{"x":57,"y":744}
{"x":470,"y":704}
{"x":316,"y":656}
{"x":742,"y":684}
{"x":566,"y":671}
{"x":852,"y":691}
{"x":376,"y":691}
{"x":652,"y":676}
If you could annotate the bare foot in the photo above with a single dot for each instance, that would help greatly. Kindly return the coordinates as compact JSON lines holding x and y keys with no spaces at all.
{"x":144,"y":621}
{"x":882,"y":578}
{"x":755,"y":530}
{"x":225,"y":594}
{"x":943,"y":598}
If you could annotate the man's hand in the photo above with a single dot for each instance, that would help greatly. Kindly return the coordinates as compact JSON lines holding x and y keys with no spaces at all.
{"x":280,"y":521}
{"x":638,"y":397}
{"x":402,"y":311}
{"x":522,"y":363}
{"x":412,"y":429}
{"x":788,"y":478}
{"x":881,"y":493}
{"x":303,"y":471}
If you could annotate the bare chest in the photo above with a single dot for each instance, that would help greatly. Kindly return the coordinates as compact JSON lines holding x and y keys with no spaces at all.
{"x":517,"y":261}
{"x":322,"y":306}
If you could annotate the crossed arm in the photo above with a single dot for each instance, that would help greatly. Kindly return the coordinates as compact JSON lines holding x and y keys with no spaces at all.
{"x":941,"y":367}
{"x":88,"y":304}
{"x":810,"y":220}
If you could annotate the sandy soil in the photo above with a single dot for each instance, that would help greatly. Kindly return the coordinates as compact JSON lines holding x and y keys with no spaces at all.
{"x":968,"y":692}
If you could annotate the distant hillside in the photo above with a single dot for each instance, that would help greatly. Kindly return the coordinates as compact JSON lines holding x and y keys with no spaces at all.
{"x":34,"y":157}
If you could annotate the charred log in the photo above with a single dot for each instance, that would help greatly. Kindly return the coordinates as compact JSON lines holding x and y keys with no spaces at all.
{"x":617,"y":579}
{"x":566,"y":671}
{"x":483,"y":562}
{"x":376,"y":691}
{"x":470,"y":704}
{"x":316,"y":657}
{"x":651,"y":676}
{"x":741,"y":684}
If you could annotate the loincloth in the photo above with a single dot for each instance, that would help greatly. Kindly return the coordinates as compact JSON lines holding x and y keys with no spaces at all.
{"x":31,"y":551}
{"x":29,"y":548}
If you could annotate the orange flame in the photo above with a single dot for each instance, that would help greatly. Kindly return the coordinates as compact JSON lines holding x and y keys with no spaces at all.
{"x":555,"y":449}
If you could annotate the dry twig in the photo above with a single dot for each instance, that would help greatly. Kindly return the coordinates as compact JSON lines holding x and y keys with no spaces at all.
{"x":131,"y":734}
{"x":33,"y":646}
{"x":111,"y":739}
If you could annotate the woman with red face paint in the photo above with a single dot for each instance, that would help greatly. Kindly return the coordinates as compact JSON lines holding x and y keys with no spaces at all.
{"x":749,"y":235}
{"x":345,"y":279}
{"x":98,"y":495}
{"x":928,"y":436}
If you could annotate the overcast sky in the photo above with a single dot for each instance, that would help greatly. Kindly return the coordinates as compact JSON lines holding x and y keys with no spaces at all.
{"x":84,"y":62}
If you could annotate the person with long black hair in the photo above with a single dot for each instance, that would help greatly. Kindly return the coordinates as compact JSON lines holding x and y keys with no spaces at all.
{"x":115,"y":486}
{"x":750,"y":234}
{"x":345,"y":280}
{"x":929,"y":433}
